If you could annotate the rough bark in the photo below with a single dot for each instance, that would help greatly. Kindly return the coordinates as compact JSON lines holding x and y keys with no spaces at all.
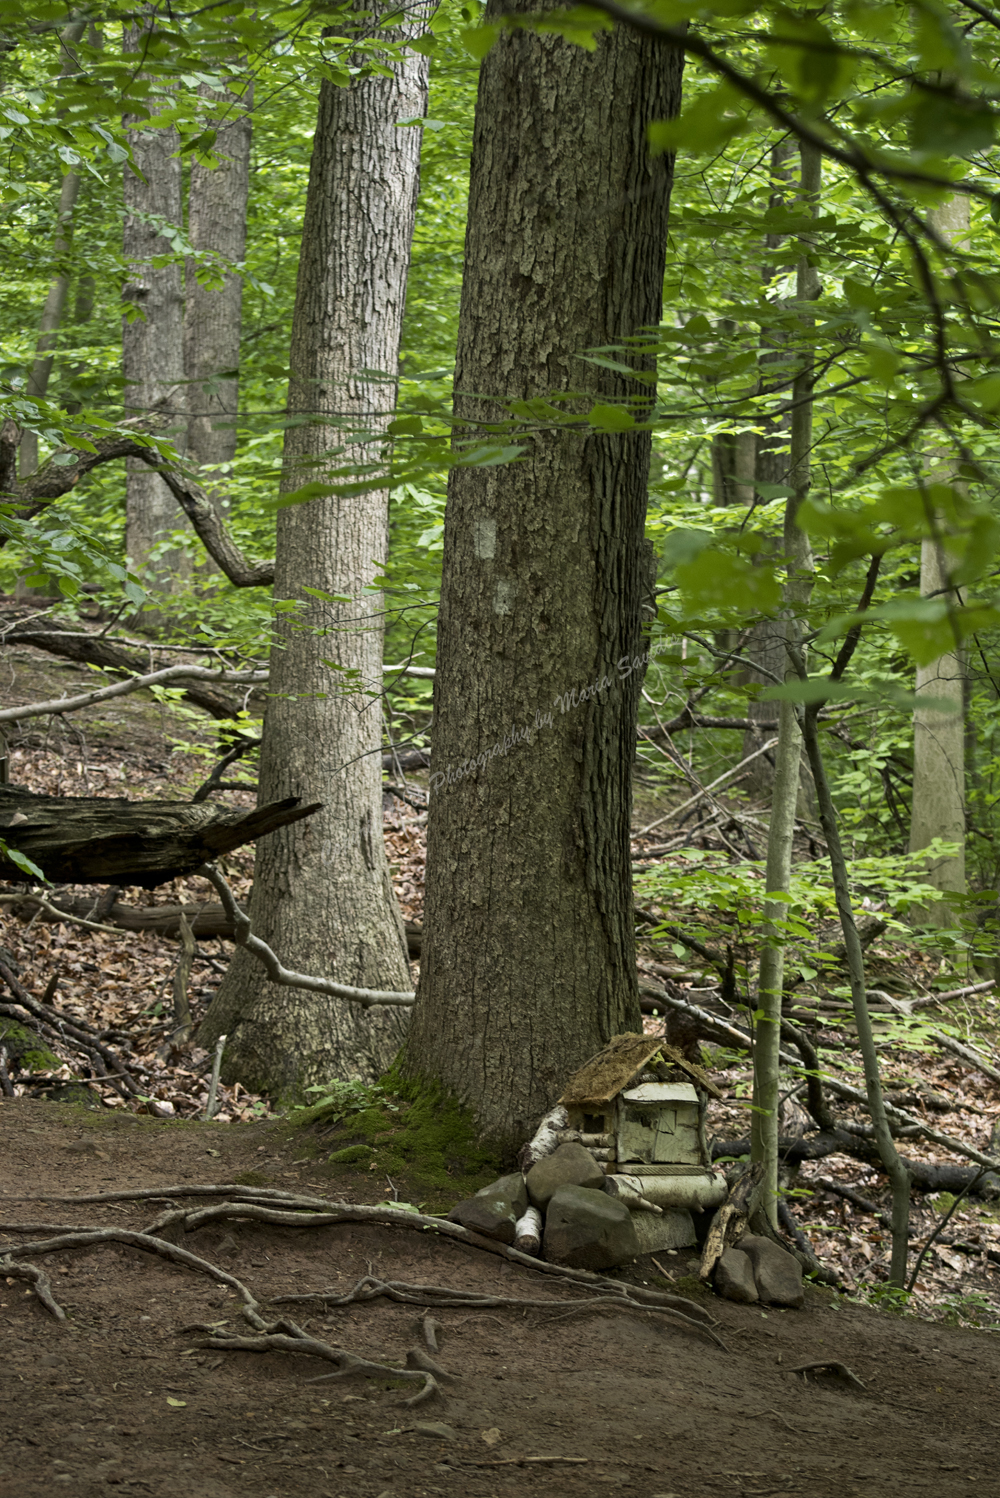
{"x":323,"y":897}
{"x":529,"y":956}
{"x":152,"y":344}
{"x":104,"y":840}
{"x":217,"y":219}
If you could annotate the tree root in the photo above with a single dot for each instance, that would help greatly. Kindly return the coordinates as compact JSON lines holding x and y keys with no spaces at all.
{"x":440,"y":1297}
{"x":40,"y":1280}
{"x":255,"y":1202}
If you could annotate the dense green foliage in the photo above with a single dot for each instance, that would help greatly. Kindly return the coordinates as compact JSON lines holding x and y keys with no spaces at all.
{"x":900,"y":99}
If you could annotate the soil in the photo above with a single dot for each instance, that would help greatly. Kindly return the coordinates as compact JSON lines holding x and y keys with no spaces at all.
{"x":121,"y":1398}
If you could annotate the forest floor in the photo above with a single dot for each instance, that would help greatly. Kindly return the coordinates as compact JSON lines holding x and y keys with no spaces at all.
{"x":119,"y":1395}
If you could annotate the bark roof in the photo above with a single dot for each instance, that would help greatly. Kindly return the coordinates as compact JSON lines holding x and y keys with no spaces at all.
{"x":611,"y":1070}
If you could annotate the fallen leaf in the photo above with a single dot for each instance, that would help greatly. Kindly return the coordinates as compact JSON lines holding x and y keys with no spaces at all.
{"x":178,"y":1404}
{"x":491,"y":1436}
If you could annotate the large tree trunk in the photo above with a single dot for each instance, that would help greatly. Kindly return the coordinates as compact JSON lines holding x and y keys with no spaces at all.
{"x":153,"y":344}
{"x":529,"y":955}
{"x":323,"y":899}
{"x":217,"y":220}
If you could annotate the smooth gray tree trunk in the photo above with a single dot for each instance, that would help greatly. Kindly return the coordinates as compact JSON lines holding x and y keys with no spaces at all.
{"x":55,"y":301}
{"x":788,"y":751}
{"x":528,"y":964}
{"x":323,"y":897}
{"x":217,"y":220}
{"x":939,"y":731}
{"x":153,"y":344}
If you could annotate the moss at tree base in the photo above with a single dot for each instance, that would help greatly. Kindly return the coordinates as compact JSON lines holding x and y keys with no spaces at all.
{"x":412,"y":1135}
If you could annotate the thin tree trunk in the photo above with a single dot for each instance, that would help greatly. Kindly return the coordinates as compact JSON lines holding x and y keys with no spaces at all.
{"x":529,"y":958}
{"x":893,"y":1165}
{"x":770,"y":466}
{"x":939,"y":733}
{"x":152,"y":344}
{"x":324,"y":900}
{"x":55,"y":301}
{"x":788,"y":754}
{"x":217,"y":220}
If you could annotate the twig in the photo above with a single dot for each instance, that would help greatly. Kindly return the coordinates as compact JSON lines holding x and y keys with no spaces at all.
{"x":972,"y":1057}
{"x":213,"y":1085}
{"x":182,"y":977}
{"x":830,"y":1366}
{"x":132,"y":684}
{"x":64,"y":915}
{"x":285,"y":977}
{"x":942,"y":1225}
{"x":953,"y":993}
{"x":675,"y":811}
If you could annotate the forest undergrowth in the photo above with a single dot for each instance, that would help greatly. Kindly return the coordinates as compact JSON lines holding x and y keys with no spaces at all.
{"x":120,"y":983}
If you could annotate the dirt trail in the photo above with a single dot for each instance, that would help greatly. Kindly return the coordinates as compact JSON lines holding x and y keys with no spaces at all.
{"x":119,"y":1398}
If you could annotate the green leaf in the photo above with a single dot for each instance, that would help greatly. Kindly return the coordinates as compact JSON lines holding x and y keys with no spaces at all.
{"x":22,"y":861}
{"x":479,"y":39}
{"x":177,"y":1404}
{"x":405,"y":426}
{"x":610,"y":418}
{"x":720,"y":581}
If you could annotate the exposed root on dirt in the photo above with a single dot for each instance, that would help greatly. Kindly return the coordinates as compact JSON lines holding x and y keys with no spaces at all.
{"x":284,"y":1334}
{"x":827,"y":1366}
{"x":38,"y":1278}
{"x":320,"y":1213}
{"x":442,"y":1298}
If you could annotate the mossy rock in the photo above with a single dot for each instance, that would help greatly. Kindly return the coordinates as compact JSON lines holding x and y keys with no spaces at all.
{"x":26,"y":1050}
{"x":251,"y":1178}
{"x":354,"y":1154}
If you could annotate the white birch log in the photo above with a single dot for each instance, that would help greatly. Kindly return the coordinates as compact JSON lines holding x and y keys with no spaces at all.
{"x":528,"y":1232}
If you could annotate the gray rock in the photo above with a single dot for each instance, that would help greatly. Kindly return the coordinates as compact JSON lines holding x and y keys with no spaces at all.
{"x":492,"y":1216}
{"x":777,"y":1275}
{"x":734,"y":1277}
{"x":510,"y":1189}
{"x":438,"y":1429}
{"x":569,"y":1165}
{"x":588,"y":1229}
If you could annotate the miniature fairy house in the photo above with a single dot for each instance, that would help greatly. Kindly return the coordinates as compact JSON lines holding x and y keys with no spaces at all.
{"x":636,"y":1112}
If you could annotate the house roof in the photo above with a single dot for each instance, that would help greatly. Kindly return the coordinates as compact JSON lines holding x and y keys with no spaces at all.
{"x":607,"y":1073}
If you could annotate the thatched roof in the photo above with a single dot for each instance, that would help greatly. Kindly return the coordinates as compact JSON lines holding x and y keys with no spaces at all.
{"x":612,"y":1069}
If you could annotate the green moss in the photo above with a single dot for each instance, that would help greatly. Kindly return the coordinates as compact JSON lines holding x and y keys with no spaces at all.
{"x":26,"y":1049}
{"x":354,"y":1154}
{"x":415,"y":1135}
{"x":251,"y":1178}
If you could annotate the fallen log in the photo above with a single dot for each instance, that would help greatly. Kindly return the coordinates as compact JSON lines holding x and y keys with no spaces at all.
{"x":91,"y":650}
{"x":206,"y":918}
{"x":926,"y":1175}
{"x":108,"y":840}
